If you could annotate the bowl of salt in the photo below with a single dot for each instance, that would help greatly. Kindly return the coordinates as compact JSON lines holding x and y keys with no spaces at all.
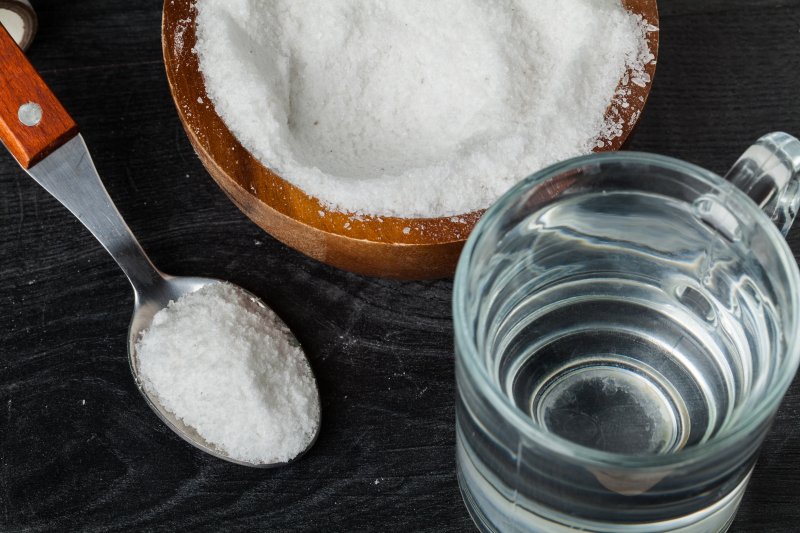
{"x":372,"y":136}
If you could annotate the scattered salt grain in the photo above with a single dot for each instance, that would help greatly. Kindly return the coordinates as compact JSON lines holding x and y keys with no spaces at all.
{"x":417,"y":108}
{"x":225,"y":365}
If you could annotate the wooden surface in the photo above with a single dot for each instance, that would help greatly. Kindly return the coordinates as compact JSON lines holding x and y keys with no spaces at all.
{"x":378,"y":246}
{"x":21,"y":84}
{"x":79,"y":449}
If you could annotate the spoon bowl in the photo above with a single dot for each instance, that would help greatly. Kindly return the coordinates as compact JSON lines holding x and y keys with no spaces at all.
{"x":147,"y":304}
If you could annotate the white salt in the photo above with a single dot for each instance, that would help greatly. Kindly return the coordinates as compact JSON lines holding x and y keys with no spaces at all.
{"x":13,"y":22}
{"x":417,"y":107}
{"x":226,"y":365}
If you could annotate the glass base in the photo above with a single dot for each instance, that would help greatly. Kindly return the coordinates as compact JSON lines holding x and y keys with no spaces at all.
{"x":493,"y":513}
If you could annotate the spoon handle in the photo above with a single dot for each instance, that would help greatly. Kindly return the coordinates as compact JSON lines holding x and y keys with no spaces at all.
{"x":44,"y":139}
{"x":33,"y":123}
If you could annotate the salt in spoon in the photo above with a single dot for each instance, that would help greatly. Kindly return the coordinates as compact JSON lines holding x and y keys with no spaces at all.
{"x":45,"y":141}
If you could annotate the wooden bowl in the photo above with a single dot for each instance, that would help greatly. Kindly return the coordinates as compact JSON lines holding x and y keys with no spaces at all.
{"x":375,"y":246}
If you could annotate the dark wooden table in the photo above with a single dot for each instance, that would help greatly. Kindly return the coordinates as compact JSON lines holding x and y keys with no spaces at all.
{"x":80,"y":450}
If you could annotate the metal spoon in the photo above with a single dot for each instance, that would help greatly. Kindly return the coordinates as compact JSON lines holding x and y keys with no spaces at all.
{"x":44,"y":139}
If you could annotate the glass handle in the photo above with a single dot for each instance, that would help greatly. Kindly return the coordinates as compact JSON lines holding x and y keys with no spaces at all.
{"x":769,"y":173}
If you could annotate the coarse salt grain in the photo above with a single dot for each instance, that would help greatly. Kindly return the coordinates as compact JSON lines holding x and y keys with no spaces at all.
{"x":226,"y":365}
{"x":417,"y":108}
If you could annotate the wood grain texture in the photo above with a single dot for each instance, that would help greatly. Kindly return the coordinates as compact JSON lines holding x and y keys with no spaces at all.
{"x":391,"y":247}
{"x":382,"y":350}
{"x":21,"y":84}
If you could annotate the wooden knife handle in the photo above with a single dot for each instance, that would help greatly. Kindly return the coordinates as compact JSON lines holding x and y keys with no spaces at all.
{"x":33,"y":122}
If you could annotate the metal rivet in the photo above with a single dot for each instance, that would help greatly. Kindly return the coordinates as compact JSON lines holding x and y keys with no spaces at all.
{"x":30,"y":114}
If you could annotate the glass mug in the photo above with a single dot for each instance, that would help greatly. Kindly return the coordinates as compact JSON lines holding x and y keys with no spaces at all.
{"x":626,"y":326}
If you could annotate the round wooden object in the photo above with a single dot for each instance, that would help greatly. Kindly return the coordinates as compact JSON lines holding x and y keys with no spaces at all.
{"x":20,"y":21}
{"x":374,"y":246}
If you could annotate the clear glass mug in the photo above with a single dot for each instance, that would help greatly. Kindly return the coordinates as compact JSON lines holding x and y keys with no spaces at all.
{"x":626,"y":326}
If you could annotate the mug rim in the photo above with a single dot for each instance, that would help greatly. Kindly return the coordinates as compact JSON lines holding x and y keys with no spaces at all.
{"x":468,"y":355}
